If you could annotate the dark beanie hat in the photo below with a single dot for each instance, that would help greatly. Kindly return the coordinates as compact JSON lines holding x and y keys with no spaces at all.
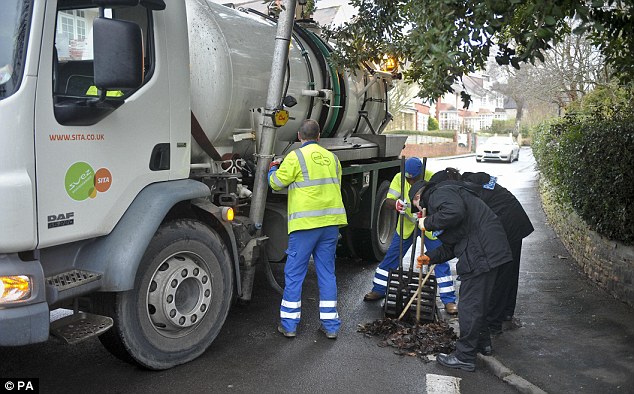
{"x":440,"y":176}
{"x":448,"y":174}
{"x":417,"y":187}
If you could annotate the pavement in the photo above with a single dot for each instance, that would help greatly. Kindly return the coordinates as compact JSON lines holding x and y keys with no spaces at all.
{"x":568,"y":335}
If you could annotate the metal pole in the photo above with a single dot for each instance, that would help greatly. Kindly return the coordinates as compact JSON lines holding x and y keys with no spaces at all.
{"x":401,"y":218}
{"x":415,"y":233}
{"x":273,"y":100}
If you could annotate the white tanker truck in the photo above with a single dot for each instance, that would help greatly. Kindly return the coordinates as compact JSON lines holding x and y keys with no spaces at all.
{"x":128,"y":155}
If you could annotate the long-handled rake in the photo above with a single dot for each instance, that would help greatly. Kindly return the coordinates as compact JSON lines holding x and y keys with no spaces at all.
{"x":404,"y":287}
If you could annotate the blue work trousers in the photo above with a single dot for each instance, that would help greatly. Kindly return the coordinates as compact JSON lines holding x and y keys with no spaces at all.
{"x":442,"y":271}
{"x":390,"y":261}
{"x":321,"y":243}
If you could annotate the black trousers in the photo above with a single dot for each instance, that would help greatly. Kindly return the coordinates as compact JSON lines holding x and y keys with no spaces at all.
{"x":504,"y":294}
{"x":475,"y":294}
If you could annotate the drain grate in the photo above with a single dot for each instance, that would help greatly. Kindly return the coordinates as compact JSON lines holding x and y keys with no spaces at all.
{"x":70,"y":279}
{"x":401,"y":288}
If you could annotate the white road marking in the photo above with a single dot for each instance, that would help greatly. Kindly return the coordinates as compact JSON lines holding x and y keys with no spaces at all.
{"x":441,"y":384}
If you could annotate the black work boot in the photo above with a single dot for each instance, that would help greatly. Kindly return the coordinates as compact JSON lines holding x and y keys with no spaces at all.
{"x":452,"y":361}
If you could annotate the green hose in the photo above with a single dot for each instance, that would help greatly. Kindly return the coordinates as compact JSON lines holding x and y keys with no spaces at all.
{"x":336,"y":88}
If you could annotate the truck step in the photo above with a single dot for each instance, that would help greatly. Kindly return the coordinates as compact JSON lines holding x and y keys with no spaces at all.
{"x":68,"y":280}
{"x":80,"y":326}
{"x":71,"y":284}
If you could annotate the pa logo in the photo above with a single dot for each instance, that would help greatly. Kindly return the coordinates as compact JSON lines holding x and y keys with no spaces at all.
{"x":320,"y":159}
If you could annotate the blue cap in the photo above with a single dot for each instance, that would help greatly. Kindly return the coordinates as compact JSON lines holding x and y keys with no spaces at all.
{"x":413,"y":167}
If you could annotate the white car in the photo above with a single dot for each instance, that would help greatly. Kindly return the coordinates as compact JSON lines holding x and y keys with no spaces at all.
{"x":498,"y":148}
{"x":462,"y":140}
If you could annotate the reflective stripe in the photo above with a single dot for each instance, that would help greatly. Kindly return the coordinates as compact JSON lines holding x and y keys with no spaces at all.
{"x":382,"y":272}
{"x":302,"y":164}
{"x":290,"y":315}
{"x":317,"y":212}
{"x":327,"y":316}
{"x":327,"y":304}
{"x":290,"y":304}
{"x":396,"y":194}
{"x":380,"y":282}
{"x":277,"y":182}
{"x":336,"y":164}
{"x":444,"y":279}
{"x":447,"y":289}
{"x":314,"y":182}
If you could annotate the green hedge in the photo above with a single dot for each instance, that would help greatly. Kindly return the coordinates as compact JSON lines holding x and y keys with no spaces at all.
{"x":437,"y":133}
{"x":588,"y":157}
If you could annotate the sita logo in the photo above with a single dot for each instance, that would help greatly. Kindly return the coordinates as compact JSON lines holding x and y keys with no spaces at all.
{"x":82,"y":182}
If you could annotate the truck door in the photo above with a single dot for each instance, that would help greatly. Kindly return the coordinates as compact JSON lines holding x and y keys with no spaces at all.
{"x":90,"y":165}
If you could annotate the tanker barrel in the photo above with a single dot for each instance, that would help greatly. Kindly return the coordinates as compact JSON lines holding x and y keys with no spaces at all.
{"x":231,"y":53}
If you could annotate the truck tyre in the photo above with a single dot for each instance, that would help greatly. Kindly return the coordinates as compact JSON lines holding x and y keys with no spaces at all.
{"x":372,"y":244}
{"x":181,"y":297}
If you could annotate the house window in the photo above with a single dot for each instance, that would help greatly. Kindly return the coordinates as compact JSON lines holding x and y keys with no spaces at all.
{"x":72,"y":23}
{"x":81,"y":29}
{"x":66,"y":26}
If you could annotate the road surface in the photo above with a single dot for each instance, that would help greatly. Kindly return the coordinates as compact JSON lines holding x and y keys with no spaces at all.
{"x":249,"y":355}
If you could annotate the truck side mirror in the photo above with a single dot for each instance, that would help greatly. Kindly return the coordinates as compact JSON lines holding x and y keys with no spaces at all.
{"x":118,"y":54}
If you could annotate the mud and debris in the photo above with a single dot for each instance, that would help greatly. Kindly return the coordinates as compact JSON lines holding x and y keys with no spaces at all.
{"x":409,"y":339}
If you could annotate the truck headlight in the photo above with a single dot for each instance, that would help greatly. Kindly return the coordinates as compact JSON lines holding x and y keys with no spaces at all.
{"x":228,"y":214}
{"x":14,"y":288}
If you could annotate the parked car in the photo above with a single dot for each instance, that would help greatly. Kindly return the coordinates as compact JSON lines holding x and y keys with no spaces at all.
{"x":462,"y":140}
{"x":498,"y":148}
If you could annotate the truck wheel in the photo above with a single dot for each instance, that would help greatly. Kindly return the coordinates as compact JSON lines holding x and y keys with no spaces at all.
{"x":373,"y":244}
{"x":181,"y":297}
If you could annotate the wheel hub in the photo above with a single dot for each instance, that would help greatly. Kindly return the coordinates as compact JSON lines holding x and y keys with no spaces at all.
{"x":179,"y":294}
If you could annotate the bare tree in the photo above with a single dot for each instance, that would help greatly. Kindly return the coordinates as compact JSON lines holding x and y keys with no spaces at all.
{"x":570,"y":70}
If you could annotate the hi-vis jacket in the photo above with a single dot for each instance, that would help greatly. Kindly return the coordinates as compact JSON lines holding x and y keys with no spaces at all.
{"x":394,"y":193}
{"x":313,"y":177}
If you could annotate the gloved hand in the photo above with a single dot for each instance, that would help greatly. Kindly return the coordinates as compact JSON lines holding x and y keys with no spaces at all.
{"x":274,"y":163}
{"x":422,"y":260}
{"x":401,"y":206}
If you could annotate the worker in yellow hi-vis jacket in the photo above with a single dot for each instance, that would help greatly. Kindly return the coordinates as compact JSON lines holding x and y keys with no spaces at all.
{"x":312,"y":175}
{"x":413,"y":173}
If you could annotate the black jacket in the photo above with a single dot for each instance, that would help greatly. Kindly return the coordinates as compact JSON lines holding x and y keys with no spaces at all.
{"x":501,"y":201}
{"x":470,"y":230}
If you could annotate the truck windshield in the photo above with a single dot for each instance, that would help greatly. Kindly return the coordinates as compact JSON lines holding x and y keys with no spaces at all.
{"x":14,"y":25}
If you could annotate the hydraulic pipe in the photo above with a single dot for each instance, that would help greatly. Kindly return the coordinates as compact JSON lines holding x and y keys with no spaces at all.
{"x":273,"y":100}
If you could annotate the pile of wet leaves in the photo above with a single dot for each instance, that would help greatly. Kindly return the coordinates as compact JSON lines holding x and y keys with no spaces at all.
{"x":412,"y":339}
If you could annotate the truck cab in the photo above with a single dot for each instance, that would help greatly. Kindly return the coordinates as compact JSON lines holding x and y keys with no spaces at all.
{"x":75,"y":158}
{"x":127,"y":147}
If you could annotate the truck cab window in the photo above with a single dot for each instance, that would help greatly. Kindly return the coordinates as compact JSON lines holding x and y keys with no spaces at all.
{"x":14,"y":31}
{"x":73,"y":72}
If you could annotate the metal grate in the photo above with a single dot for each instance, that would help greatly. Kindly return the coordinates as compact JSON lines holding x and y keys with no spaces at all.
{"x":70,"y":279}
{"x":396,"y":300}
